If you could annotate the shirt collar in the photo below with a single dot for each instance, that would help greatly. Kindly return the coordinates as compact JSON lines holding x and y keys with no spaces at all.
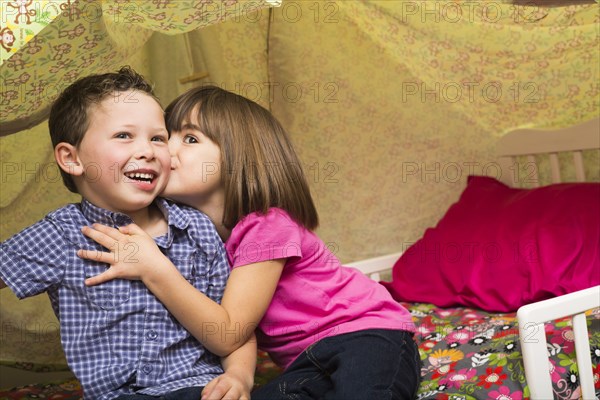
{"x":95,"y":214}
{"x":176,"y":217}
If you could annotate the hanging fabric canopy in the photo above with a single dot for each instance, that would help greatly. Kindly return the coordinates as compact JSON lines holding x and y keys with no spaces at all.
{"x":46,"y":45}
{"x":506,"y":65}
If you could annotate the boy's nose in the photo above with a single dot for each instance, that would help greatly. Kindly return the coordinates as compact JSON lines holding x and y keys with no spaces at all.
{"x":145,"y":150}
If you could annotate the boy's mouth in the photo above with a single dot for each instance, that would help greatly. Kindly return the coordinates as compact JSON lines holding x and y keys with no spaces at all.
{"x":140,"y":176}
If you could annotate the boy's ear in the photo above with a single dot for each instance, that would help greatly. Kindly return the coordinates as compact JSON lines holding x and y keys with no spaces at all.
{"x":67,"y":159}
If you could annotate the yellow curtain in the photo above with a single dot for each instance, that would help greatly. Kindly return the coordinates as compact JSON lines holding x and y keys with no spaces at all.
{"x":47,"y":45}
{"x":505,"y":65}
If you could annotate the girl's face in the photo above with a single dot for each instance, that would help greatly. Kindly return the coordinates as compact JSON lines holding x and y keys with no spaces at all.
{"x":195,"y":168}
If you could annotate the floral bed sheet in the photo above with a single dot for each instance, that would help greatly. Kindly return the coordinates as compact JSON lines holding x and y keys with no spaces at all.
{"x":472,"y":354}
{"x":466,"y":354}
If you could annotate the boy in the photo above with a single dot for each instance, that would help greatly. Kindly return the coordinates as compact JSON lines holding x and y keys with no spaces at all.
{"x":110,"y":143}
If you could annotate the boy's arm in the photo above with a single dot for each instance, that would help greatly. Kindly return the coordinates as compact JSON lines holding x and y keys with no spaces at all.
{"x":33,"y":260}
{"x":238,"y":380}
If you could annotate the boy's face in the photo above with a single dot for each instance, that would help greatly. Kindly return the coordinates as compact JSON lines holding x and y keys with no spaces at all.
{"x":124,"y":153}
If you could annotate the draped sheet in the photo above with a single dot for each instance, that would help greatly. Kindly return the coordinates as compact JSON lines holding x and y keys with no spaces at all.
{"x":506,"y":65}
{"x":73,"y":38}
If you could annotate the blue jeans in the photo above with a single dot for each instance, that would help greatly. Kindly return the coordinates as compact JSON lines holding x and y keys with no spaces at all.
{"x":371,"y":364}
{"x":192,"y":393}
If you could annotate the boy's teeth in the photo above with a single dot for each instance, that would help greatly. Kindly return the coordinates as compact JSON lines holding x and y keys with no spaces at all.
{"x":139,"y":175}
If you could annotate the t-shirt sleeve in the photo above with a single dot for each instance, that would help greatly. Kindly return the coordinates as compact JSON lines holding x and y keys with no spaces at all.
{"x":33,"y":260}
{"x":259,"y":238}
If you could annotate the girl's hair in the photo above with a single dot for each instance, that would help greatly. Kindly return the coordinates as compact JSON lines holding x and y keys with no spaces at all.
{"x":260,"y":168}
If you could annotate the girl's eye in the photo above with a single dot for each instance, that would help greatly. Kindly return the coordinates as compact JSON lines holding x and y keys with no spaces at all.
{"x":190,"y":139}
{"x":122,"y":135}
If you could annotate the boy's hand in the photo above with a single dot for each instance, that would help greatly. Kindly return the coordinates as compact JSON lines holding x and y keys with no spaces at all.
{"x":133,"y":253}
{"x":227,"y":387}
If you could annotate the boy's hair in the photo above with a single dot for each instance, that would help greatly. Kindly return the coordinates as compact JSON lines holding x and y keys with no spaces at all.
{"x":69,"y":115}
{"x":260,"y":168}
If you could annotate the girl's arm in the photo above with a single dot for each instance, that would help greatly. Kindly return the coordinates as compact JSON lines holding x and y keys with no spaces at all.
{"x":238,"y":379}
{"x":220,"y":328}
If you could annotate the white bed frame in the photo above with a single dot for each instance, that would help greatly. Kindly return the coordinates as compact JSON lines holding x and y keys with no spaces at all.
{"x":533,"y":144}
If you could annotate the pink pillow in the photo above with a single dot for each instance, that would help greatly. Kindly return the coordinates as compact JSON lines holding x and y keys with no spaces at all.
{"x":499,"y":248}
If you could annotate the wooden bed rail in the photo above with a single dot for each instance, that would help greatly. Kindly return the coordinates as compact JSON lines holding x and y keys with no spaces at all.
{"x":373,"y":267}
{"x":532,"y":336}
{"x":533,"y":142}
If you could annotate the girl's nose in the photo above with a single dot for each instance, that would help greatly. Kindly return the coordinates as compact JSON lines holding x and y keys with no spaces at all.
{"x":174,"y":162}
{"x":173,"y":147}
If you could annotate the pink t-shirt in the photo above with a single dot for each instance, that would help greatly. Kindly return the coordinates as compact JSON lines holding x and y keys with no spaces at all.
{"x":316,"y":296}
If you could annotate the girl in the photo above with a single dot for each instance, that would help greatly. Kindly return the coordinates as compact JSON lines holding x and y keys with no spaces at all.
{"x":338,"y":334}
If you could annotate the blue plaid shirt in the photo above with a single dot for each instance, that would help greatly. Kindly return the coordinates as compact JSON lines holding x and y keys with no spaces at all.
{"x":118,"y":338}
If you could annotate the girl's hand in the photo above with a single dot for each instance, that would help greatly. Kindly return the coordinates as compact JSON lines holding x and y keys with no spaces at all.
{"x":227,"y":387}
{"x":133,"y":253}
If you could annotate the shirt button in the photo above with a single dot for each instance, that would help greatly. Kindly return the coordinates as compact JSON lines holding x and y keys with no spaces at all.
{"x":151,"y":335}
{"x":147,"y":369}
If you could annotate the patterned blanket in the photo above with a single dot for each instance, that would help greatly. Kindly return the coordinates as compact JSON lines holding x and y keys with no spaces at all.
{"x":466,"y":354}
{"x":471,"y":354}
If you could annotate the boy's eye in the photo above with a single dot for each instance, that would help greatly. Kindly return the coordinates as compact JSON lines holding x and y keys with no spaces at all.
{"x":190,"y":139}
{"x":162,"y":139}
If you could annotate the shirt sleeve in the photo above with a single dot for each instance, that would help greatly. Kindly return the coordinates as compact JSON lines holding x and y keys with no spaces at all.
{"x":33,"y":260}
{"x":218,"y":274}
{"x":259,"y":238}
{"x":213,"y":257}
